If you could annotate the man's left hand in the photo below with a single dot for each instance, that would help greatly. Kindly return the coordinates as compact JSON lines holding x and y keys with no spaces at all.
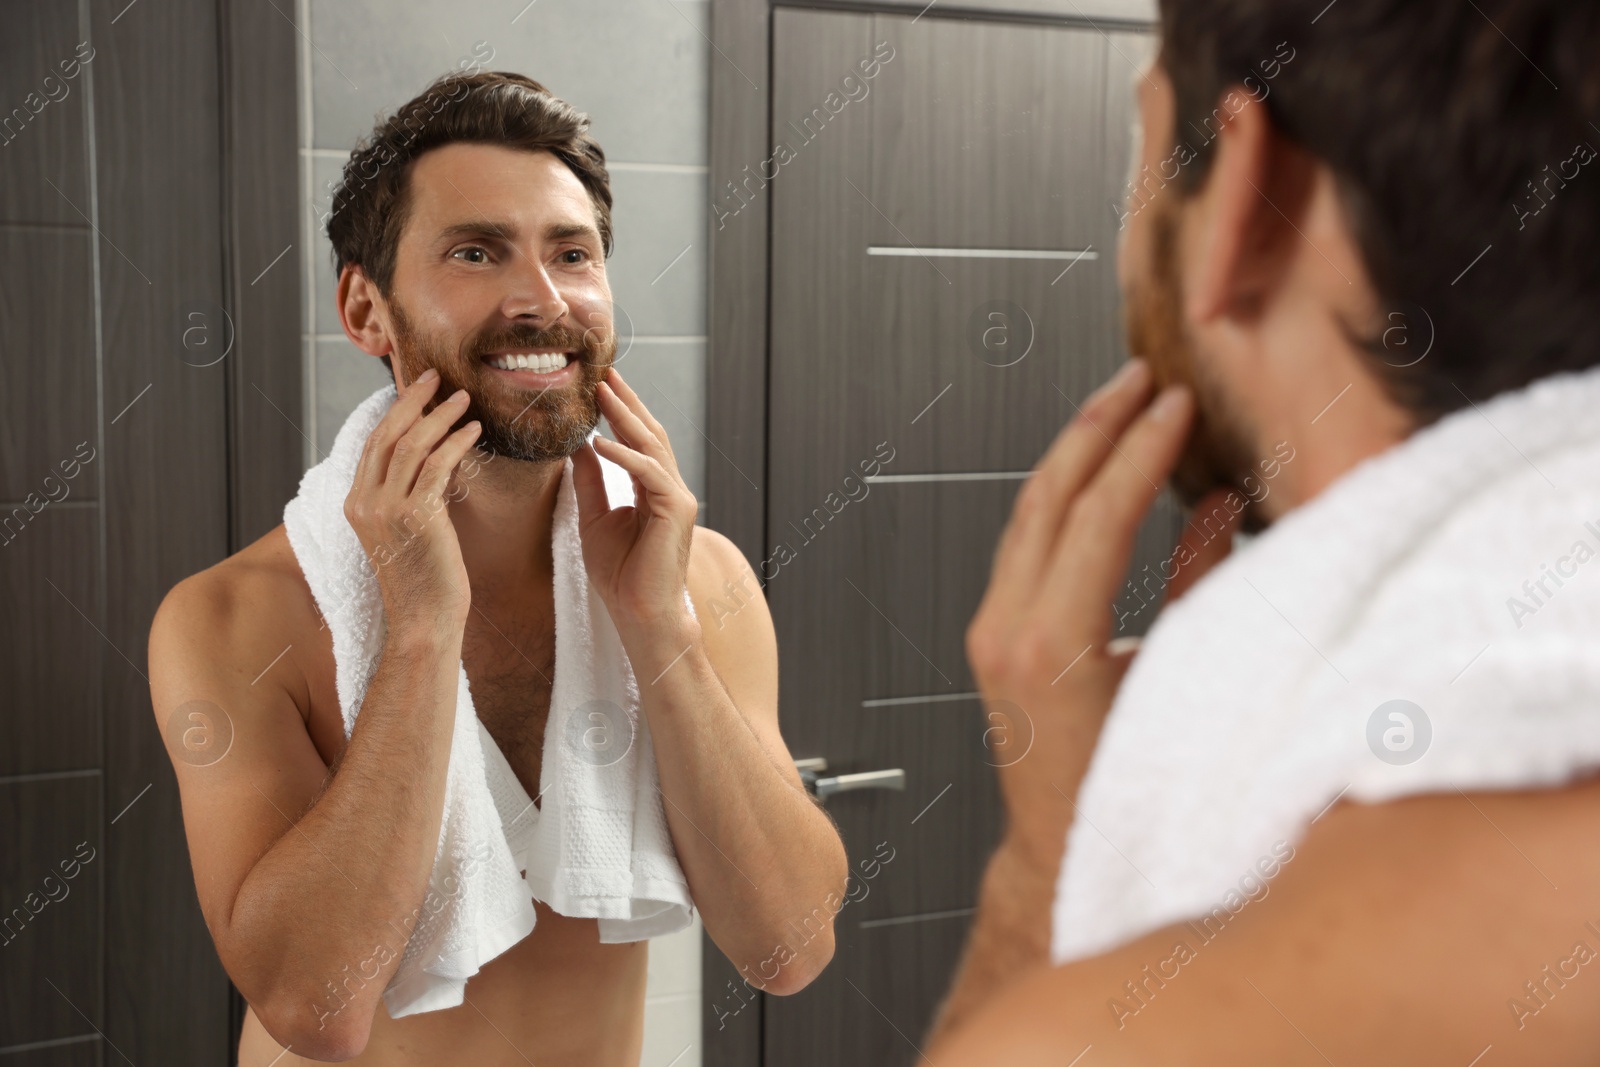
{"x":1040,"y":643}
{"x":637,"y":556}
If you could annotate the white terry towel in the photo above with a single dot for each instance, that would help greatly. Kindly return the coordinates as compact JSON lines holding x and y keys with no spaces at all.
{"x":598,"y":844}
{"x":1246,"y":712}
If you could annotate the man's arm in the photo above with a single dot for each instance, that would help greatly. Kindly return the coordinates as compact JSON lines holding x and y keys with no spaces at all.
{"x":762,"y":858}
{"x":1042,"y":653}
{"x":306,"y":889}
{"x":311,"y":909}
{"x":1452,"y":929}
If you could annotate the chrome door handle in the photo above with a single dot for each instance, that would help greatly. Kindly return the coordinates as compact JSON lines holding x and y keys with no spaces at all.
{"x":822,"y":788}
{"x":844,"y":783}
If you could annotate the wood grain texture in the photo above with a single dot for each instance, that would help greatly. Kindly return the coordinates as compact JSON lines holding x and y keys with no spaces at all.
{"x":266,"y":378}
{"x":47,"y":363}
{"x":736,"y":394}
{"x":1001,"y":123}
{"x":76,"y":1054}
{"x":44,"y":170}
{"x":955,"y":371}
{"x":740,"y":204}
{"x":50,"y":968}
{"x":49,"y":654}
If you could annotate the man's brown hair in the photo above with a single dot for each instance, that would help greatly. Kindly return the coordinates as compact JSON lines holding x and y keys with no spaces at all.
{"x":372,"y":201}
{"x":1464,"y":139}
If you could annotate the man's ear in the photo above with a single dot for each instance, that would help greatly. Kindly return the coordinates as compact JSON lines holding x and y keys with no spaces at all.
{"x":362,"y":313}
{"x":1247,"y":213}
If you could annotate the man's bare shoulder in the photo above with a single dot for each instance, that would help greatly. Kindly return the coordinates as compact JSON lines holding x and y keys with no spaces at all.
{"x":713,"y":559}
{"x":255,"y":602}
{"x":720,"y":577}
{"x":1416,"y":932}
{"x":736,"y":626}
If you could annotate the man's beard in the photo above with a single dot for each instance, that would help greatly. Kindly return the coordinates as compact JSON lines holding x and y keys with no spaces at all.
{"x":539,"y":425}
{"x":1220,"y":452}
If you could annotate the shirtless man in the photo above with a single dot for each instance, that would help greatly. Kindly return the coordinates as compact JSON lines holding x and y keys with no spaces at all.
{"x":308,"y":850}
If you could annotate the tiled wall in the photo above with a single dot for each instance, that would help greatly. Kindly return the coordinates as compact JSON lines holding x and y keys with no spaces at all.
{"x":640,"y":69}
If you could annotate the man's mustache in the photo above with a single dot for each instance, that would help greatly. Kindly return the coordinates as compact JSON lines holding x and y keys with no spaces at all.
{"x":589,"y":343}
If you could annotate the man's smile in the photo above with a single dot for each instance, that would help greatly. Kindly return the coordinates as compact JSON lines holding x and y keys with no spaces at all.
{"x":541,"y":367}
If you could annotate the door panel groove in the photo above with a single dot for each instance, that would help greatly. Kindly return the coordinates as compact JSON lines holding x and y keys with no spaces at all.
{"x":954,"y":476}
{"x":883,"y":702}
{"x":983,"y":253}
{"x":897,"y":920}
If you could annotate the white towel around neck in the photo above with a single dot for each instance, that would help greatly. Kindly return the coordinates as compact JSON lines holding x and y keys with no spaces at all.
{"x":597,"y":846}
{"x":1246,"y":711}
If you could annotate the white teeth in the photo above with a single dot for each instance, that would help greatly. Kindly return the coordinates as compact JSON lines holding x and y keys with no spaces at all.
{"x":543,"y":363}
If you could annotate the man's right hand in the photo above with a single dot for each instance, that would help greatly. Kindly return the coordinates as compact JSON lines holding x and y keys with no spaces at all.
{"x":398,"y":509}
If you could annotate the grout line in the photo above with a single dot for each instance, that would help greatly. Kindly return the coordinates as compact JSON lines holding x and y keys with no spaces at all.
{"x":659,"y":168}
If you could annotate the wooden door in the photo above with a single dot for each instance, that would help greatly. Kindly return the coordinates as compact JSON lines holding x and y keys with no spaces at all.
{"x":942,"y":296}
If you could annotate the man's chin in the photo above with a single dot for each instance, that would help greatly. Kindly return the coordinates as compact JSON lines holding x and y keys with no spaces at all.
{"x":531,"y":434}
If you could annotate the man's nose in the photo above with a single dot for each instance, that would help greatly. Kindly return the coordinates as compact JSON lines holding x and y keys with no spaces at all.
{"x":534,"y":293}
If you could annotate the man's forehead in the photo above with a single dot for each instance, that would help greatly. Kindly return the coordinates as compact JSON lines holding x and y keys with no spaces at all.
{"x":457,"y":186}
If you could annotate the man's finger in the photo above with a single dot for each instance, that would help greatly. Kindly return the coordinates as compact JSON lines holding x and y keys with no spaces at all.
{"x":629,"y":427}
{"x":630,"y":398}
{"x":372,"y":469}
{"x":1078,"y":452}
{"x":649,"y":474}
{"x":420,"y":441}
{"x":589,"y":483}
{"x":1091,"y":560}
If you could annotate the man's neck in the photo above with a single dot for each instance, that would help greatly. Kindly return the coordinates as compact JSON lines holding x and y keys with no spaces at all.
{"x":1328,"y":406}
{"x":504,"y":522}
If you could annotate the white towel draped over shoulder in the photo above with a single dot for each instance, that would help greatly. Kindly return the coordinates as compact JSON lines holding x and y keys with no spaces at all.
{"x":597,"y":846}
{"x":1458,"y":570}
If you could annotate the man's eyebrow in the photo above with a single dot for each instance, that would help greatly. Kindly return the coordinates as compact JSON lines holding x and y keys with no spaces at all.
{"x":507,"y":231}
{"x":477,"y":228}
{"x":563,"y":230}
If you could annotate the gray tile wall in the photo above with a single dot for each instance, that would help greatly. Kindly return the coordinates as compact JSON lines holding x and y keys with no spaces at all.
{"x":640,"y":69}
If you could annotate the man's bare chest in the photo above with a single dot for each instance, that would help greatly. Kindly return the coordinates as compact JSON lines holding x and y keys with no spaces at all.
{"x":510,"y":671}
{"x":510,"y":666}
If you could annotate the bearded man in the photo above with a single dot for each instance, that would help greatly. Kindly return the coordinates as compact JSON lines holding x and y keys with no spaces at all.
{"x":471,"y":874}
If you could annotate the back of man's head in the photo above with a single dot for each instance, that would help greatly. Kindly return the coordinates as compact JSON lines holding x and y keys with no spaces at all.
{"x":1464,"y":140}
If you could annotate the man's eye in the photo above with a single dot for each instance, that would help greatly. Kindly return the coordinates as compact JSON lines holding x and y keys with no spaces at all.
{"x":580,"y":253}
{"x":470,"y":248}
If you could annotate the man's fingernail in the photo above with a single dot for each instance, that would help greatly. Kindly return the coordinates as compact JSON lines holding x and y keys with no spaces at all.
{"x":1168,"y":403}
{"x":1134,"y":369}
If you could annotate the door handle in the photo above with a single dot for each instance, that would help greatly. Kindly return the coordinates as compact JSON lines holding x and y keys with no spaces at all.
{"x":822,"y":788}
